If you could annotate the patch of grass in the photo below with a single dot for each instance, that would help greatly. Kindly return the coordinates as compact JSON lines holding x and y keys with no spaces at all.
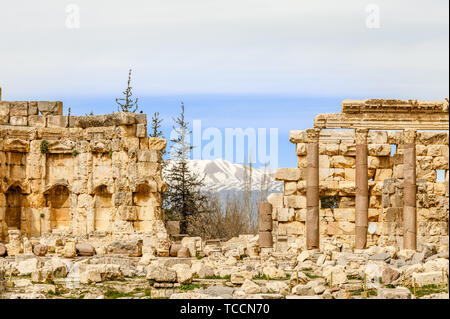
{"x":427,"y":290}
{"x":114,"y":294}
{"x":264,"y":277}
{"x":227,"y":277}
{"x":390,"y":286}
{"x":354,"y":277}
{"x":311,"y":276}
{"x":75,"y":153}
{"x":371,"y":292}
{"x":189,"y":287}
{"x":44,"y":147}
{"x":199,"y":256}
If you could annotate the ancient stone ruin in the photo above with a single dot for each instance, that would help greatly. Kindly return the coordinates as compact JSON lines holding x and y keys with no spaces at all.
{"x":87,"y":177}
{"x":377,"y":162}
{"x":364,"y":215}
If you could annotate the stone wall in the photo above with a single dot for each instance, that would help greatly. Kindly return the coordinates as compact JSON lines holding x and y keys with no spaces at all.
{"x":337,"y":163}
{"x":78,"y":175}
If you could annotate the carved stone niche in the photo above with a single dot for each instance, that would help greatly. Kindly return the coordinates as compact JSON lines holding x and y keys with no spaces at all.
{"x":100,"y":146}
{"x":16,"y":145}
{"x":61,"y":146}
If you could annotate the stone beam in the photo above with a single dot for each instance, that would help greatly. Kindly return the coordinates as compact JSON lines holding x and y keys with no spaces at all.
{"x":383,"y":121}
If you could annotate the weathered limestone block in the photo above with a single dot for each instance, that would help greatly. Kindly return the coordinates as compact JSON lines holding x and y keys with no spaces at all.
{"x":430,"y":138}
{"x":290,"y":188}
{"x":85,"y":249}
{"x":156,"y":143}
{"x":161,"y":274}
{"x":141,"y":130}
{"x":379,"y":149}
{"x":301,"y":163}
{"x":18,"y":120}
{"x":4,"y":112}
{"x":287,"y":174}
{"x":194,"y":244}
{"x":394,"y":293}
{"x":382,"y":174}
{"x":19,"y":108}
{"x":347,"y":188}
{"x":328,"y":188}
{"x":324,"y":161}
{"x":378,"y":162}
{"x":57,"y":121}
{"x":327,"y":149}
{"x":377,"y":137}
{"x":293,"y":228}
{"x":40,"y":250}
{"x":50,"y":108}
{"x":69,"y":250}
{"x":37,"y":121}
{"x":285,"y":214}
{"x":347,"y":149}
{"x":342,"y":162}
{"x":128,"y":213}
{"x":428,"y":278}
{"x":440,"y":162}
{"x":276,"y":199}
{"x":344,"y":214}
{"x":297,"y":137}
{"x":301,"y":149}
{"x":295,"y":201}
{"x":148,"y":156}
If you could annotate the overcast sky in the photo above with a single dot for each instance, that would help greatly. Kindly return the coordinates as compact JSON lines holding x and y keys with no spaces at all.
{"x":320,"y":50}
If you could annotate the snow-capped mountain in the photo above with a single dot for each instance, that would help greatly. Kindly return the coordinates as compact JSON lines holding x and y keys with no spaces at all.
{"x":223,"y":176}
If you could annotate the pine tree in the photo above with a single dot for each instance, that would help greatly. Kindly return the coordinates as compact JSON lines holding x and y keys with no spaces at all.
{"x":183,"y":198}
{"x":155,"y":131}
{"x":156,"y":126}
{"x":129,"y":103}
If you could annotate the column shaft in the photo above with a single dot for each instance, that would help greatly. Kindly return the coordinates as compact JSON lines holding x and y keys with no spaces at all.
{"x":409,"y":196}
{"x":312,"y":190}
{"x":362,"y":190}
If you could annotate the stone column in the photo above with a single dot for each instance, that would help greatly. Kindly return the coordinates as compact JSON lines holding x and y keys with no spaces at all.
{"x":312,"y":189}
{"x":362,"y":190}
{"x":409,"y":188}
{"x":265,"y":225}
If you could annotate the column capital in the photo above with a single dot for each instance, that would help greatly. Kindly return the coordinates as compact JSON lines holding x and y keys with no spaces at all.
{"x":312,"y":135}
{"x":361,"y":135}
{"x":409,"y":135}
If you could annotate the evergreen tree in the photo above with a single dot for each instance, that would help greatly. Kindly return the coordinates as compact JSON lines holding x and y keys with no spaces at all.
{"x":156,"y":126}
{"x":128,"y":104}
{"x":183,"y":198}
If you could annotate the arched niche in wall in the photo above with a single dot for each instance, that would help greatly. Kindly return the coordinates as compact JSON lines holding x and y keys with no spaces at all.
{"x":143,"y":199}
{"x":102,"y":208}
{"x":15,"y":210}
{"x":58,"y":202}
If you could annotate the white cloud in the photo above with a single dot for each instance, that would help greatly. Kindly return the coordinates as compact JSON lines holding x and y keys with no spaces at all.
{"x":225,"y":46}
